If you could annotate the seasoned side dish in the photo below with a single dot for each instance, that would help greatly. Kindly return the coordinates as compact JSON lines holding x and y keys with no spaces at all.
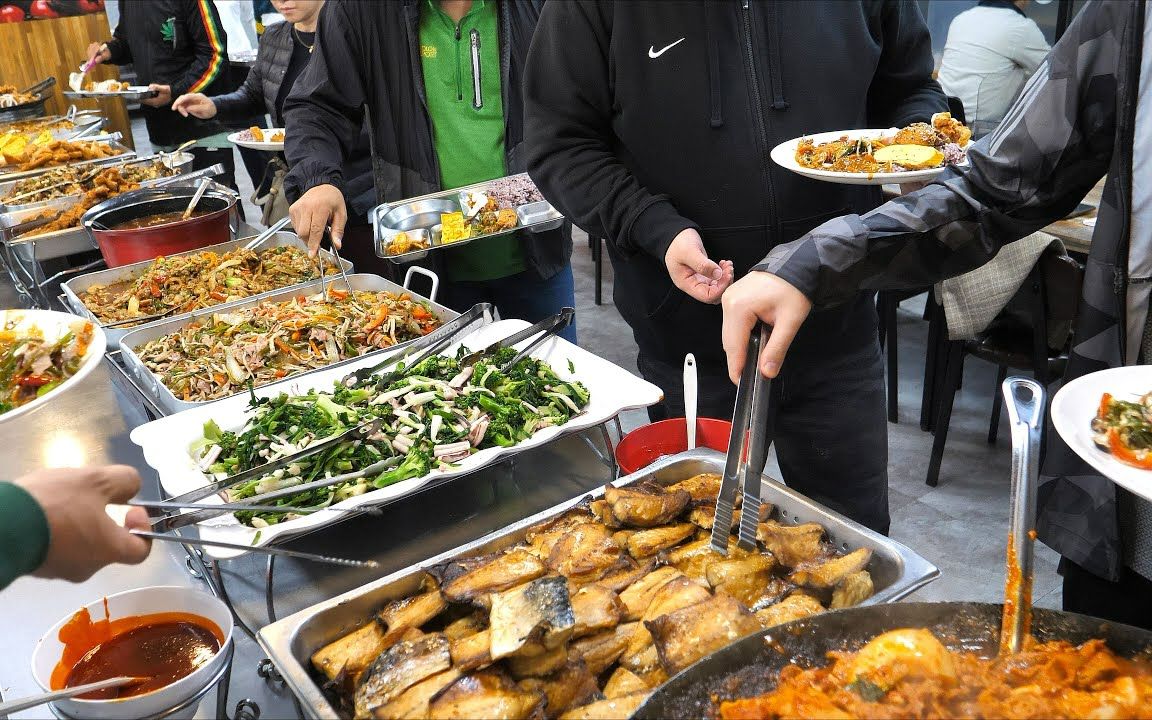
{"x":910,"y":674}
{"x":184,"y":283}
{"x":915,"y":147}
{"x":220,"y":355}
{"x":596,"y":608}
{"x":71,"y":180}
{"x":1124,"y":428}
{"x":32,"y":366}
{"x":106,"y":184}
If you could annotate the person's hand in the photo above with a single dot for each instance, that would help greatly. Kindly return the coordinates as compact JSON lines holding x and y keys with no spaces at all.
{"x":763,"y":296}
{"x":321,"y":206}
{"x":693,"y":272}
{"x":163,"y":98}
{"x":83,"y":538}
{"x":98,"y":53}
{"x":197,"y":105}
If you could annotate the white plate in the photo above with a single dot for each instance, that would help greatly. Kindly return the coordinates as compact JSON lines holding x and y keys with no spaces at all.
{"x":784,"y":155}
{"x":167,"y":442}
{"x":271,"y":146}
{"x":1074,"y":407}
{"x":54,"y":325}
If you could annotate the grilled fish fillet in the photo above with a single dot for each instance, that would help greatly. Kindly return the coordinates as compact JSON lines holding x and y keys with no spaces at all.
{"x":619,"y":708}
{"x":485,"y":694}
{"x":399,"y":668}
{"x":684,"y":636}
{"x":584,"y":550}
{"x":626,"y":573}
{"x":702,"y":487}
{"x":471,"y":652}
{"x":793,"y":607}
{"x":744,"y":578}
{"x":646,"y":543}
{"x":596,"y":608}
{"x":638,"y":596}
{"x":508,"y":570}
{"x":351,"y":653}
{"x":695,"y":558}
{"x":827,"y":574}
{"x":852,"y":590}
{"x":568,"y":687}
{"x":540,"y":610}
{"x":413,"y":702}
{"x":536,"y":661}
{"x":645,"y":505}
{"x":792,"y":544}
{"x":601,"y":650}
{"x":624,"y":682}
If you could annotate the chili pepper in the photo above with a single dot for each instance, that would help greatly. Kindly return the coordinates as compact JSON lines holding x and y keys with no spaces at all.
{"x":1105,"y":406}
{"x":33,"y":380}
{"x":1125,"y":454}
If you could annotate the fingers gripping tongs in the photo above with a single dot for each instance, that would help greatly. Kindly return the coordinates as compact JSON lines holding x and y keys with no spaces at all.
{"x":753,"y":429}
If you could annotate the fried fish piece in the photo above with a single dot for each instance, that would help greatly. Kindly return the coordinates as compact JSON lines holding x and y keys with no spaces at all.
{"x":413,"y":611}
{"x":540,"y":610}
{"x":465,"y":626}
{"x":595,"y":608}
{"x":678,"y":593}
{"x":684,"y":636}
{"x":570,"y":686}
{"x":694,"y":558}
{"x":412,"y":704}
{"x":743,"y":578}
{"x":619,"y":708}
{"x":645,"y":504}
{"x":471,"y":652}
{"x":646,"y":543}
{"x":508,"y":570}
{"x":485,"y":694}
{"x":584,"y":550}
{"x":702,"y":487}
{"x":639,"y":595}
{"x":399,"y":668}
{"x":543,"y":537}
{"x":827,"y":574}
{"x":351,"y":653}
{"x":792,"y":544}
{"x":852,"y":590}
{"x":703,"y":515}
{"x":601,"y":650}
{"x":793,"y":607}
{"x":775,"y":591}
{"x":624,"y":682}
{"x":602,"y":510}
{"x":535,"y":660}
{"x":627,"y":572}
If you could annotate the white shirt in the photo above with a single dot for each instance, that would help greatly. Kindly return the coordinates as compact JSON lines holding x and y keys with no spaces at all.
{"x":989,"y":55}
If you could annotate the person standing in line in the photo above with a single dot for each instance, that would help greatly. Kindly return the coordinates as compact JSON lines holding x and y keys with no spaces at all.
{"x":440,"y":81}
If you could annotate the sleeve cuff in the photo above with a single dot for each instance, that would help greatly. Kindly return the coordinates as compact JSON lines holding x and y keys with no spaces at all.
{"x":298,"y":184}
{"x":24,"y":534}
{"x":656,"y":227}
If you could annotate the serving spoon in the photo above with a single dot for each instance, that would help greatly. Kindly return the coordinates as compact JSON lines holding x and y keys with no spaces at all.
{"x":32,"y":701}
{"x":200,"y":190}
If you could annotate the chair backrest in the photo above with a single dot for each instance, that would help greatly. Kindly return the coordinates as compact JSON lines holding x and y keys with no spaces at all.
{"x":1061,"y":279}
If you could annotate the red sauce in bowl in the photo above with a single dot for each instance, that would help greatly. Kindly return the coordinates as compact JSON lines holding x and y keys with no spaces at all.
{"x":163,"y":647}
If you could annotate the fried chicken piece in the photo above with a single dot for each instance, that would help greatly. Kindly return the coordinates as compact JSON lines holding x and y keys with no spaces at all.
{"x":952,"y":129}
{"x":920,"y":134}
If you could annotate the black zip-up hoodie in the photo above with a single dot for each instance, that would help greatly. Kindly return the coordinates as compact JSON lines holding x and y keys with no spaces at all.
{"x":180,"y":43}
{"x":646,"y":118}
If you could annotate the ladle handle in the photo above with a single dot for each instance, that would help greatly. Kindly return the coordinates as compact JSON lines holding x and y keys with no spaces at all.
{"x":1024,"y":399}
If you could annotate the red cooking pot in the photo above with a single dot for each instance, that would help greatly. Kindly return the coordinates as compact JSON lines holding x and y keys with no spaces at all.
{"x":648,"y":443}
{"x":126,"y":245}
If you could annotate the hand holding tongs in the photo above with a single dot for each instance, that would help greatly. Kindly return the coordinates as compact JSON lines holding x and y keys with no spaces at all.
{"x":548,"y":326}
{"x":753,"y":428}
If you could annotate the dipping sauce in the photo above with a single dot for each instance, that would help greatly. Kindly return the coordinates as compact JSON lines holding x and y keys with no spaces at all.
{"x":163,"y":647}
{"x":162,"y":219}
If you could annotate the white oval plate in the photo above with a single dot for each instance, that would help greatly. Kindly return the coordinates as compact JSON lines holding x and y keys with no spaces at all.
{"x":1074,"y":407}
{"x":54,"y":325}
{"x":784,"y":155}
{"x":234,"y":138}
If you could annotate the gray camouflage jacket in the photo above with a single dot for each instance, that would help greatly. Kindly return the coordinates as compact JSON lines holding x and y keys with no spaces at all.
{"x":1072,"y":124}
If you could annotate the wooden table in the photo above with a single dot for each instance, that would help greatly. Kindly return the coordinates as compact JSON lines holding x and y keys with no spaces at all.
{"x":1076,"y":235}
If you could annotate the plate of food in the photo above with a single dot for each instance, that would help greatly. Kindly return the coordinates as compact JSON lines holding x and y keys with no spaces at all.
{"x":271,"y":139}
{"x":43,"y":353}
{"x":915,"y":153}
{"x":96,"y":89}
{"x":1106,"y":418}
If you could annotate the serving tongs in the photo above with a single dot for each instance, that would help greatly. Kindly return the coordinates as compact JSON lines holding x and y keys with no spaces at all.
{"x":141,"y":319}
{"x":1024,"y":399}
{"x":263,"y":237}
{"x":753,"y":429}
{"x":549,"y":326}
{"x":419,"y":350}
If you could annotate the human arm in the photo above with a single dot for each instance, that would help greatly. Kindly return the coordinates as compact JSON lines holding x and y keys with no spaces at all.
{"x":53,"y":523}
{"x":206,"y":33}
{"x":902,"y":89}
{"x":1029,"y":48}
{"x":114,"y":51}
{"x":248,"y":99}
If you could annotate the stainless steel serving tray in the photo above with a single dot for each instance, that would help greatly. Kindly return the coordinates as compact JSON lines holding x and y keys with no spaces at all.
{"x":35,"y":248}
{"x":125,"y":152}
{"x":78,"y":285}
{"x":424,"y":212}
{"x":134,"y":92}
{"x":155,"y":391}
{"x":896,"y":570}
{"x":182,"y":168}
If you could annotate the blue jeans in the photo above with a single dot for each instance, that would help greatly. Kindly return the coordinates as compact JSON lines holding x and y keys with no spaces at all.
{"x":523,"y":296}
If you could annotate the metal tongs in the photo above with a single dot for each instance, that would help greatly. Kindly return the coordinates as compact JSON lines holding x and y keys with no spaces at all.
{"x":1024,"y":399}
{"x":548,"y":326}
{"x":419,"y":350}
{"x":753,"y":429}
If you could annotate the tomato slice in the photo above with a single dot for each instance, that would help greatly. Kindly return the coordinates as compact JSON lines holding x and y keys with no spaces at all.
{"x":1125,"y":454}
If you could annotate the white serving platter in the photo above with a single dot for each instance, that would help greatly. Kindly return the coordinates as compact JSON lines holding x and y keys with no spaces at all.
{"x":784,"y":155}
{"x":235,"y":139}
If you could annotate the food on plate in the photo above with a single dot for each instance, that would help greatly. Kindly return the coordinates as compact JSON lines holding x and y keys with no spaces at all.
{"x":909,"y":673}
{"x":106,"y":184}
{"x":160,"y":648}
{"x":486,"y":215}
{"x":453,"y":228}
{"x":221,"y":354}
{"x":545,"y":628}
{"x":71,"y":180}
{"x":437,"y":414}
{"x":513,"y":191}
{"x":11,"y":97}
{"x":1124,"y":428}
{"x":58,"y":152}
{"x":255,"y":134}
{"x":277,"y":136}
{"x":404,"y":242}
{"x":108,"y":86}
{"x":183,"y":283}
{"x":917,"y":146}
{"x":32,"y":365}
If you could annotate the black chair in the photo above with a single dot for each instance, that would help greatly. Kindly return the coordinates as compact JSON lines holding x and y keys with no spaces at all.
{"x":1017,"y":339}
{"x":887,"y":303}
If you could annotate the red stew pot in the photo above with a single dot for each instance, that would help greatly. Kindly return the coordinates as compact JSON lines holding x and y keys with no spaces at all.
{"x":129,"y":245}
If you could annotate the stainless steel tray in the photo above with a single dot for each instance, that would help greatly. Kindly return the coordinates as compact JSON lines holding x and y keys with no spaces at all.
{"x":424,"y":212}
{"x":896,"y":570}
{"x":125,"y":152}
{"x":134,"y":92}
{"x":155,"y":391}
{"x":57,"y":243}
{"x":182,"y":167}
{"x":74,"y":287}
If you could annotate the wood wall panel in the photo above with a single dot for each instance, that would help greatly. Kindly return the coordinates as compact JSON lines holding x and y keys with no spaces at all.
{"x":34,"y":49}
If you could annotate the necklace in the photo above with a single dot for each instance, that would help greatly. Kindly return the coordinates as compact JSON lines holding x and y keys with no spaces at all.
{"x":301,"y":40}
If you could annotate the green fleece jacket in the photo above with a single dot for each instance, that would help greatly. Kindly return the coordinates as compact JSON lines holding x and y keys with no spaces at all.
{"x":23,"y":533}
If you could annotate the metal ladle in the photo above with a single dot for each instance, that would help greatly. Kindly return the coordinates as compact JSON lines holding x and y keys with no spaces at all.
{"x":200,"y":190}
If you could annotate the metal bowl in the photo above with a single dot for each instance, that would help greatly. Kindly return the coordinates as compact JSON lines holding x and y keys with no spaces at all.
{"x":418,"y":214}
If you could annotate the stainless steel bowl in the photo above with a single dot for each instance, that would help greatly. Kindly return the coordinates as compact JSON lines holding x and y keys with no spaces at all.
{"x":418,"y":214}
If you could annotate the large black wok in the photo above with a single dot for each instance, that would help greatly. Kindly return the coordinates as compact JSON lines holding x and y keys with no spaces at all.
{"x":750,"y":667}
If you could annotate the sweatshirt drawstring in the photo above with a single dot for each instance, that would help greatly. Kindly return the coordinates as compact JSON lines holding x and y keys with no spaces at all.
{"x":715,"y":100}
{"x":775,"y":63}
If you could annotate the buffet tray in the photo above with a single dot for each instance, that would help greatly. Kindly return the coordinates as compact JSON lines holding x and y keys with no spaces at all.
{"x":151,"y":386}
{"x":125,"y":152}
{"x":182,"y":168}
{"x":35,"y":248}
{"x":134,"y":92}
{"x":168,"y":442}
{"x":78,"y":285}
{"x":422,"y":213}
{"x":896,"y":570}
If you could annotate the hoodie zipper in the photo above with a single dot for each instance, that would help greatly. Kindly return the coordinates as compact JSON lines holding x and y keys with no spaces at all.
{"x":758,"y":110}
{"x":459,"y":79}
{"x":477,"y":93}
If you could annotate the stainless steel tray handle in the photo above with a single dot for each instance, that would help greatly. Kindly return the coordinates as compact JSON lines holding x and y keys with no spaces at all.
{"x":416,"y":270}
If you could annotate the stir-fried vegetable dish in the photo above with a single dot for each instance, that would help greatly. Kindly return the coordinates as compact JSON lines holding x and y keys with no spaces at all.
{"x":437,"y":414}
{"x":911,"y":674}
{"x":183,"y":283}
{"x":75,"y":180}
{"x":1124,"y":428}
{"x":32,"y":366}
{"x":915,"y":147}
{"x":220,"y":355}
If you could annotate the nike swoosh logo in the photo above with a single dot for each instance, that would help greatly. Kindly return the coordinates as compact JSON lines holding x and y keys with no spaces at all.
{"x":654,"y":53}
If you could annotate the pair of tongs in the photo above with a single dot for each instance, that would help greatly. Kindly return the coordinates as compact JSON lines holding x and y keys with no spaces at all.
{"x":753,"y":429}
{"x":548,"y":327}
{"x":419,"y":350}
{"x":336,"y":257}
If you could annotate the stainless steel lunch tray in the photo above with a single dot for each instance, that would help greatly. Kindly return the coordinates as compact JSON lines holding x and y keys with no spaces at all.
{"x":134,"y":92}
{"x":156,"y":392}
{"x":78,"y":285}
{"x":424,"y":212}
{"x":125,"y":152}
{"x":896,"y":570}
